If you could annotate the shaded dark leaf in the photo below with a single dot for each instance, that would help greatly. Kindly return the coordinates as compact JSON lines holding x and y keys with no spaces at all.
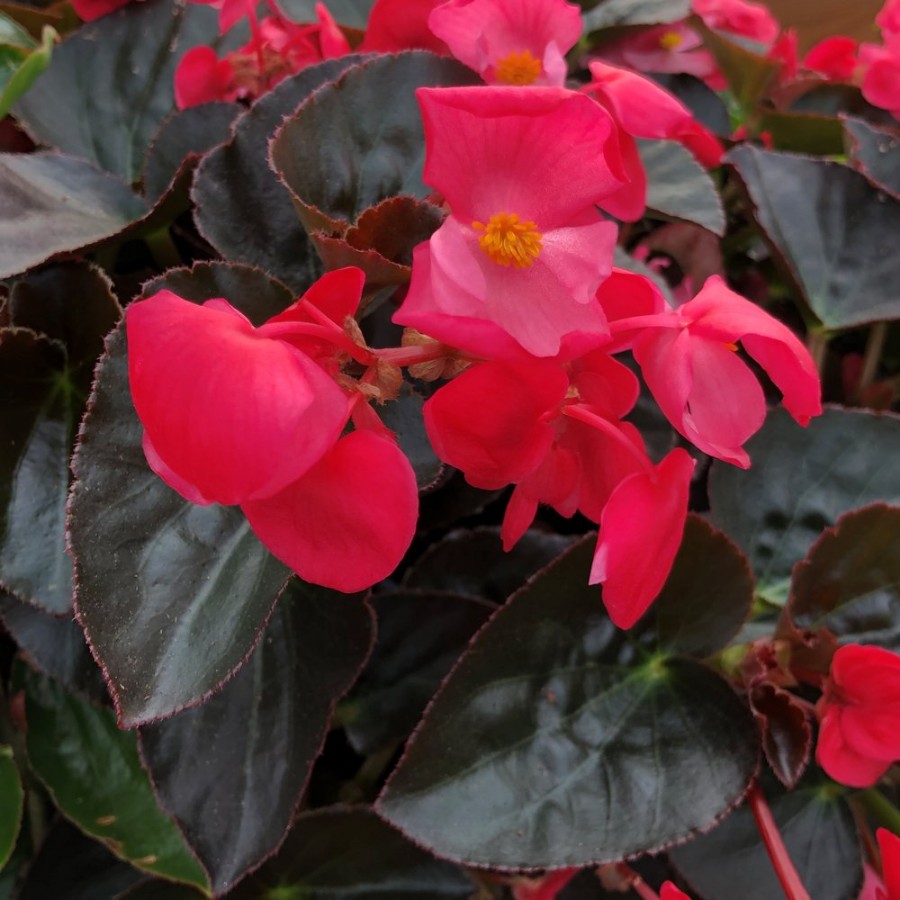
{"x":143,"y":554}
{"x":336,"y":252}
{"x":611,"y":13}
{"x":73,"y":866}
{"x":801,"y":480}
{"x":453,"y":500}
{"x":241,"y":207}
{"x":800,"y":132}
{"x":354,"y":13}
{"x":52,"y":204}
{"x":702,"y":101}
{"x":232,"y":770}
{"x":11,"y":801}
{"x":106,"y":106}
{"x":831,"y":228}
{"x":154,"y":889}
{"x":394,"y":227}
{"x":94,"y":774}
{"x":850,"y":581}
{"x":557,"y":742}
{"x":731,"y":863}
{"x":420,"y":636}
{"x":678,"y":186}
{"x":350,"y":854}
{"x":404,"y":417}
{"x":346,"y":149}
{"x":787,"y":734}
{"x":875,"y":152}
{"x":186,"y":135}
{"x":54,"y":645}
{"x":472,"y":562}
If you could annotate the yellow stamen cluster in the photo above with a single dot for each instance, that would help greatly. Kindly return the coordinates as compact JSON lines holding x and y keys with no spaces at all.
{"x":518,"y":68}
{"x":508,"y":241}
{"x":671,"y":40}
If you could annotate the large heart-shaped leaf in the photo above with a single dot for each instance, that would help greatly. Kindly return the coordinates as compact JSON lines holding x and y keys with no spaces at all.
{"x":731,"y":863}
{"x":832,"y":228}
{"x":875,"y":152}
{"x":52,"y":204}
{"x":678,"y":186}
{"x":350,"y":854}
{"x":45,"y":376}
{"x":144,"y":555}
{"x":557,"y":742}
{"x":106,"y":106}
{"x":94,"y":774}
{"x":247,"y":751}
{"x":360,"y":140}
{"x":801,"y":480}
{"x":241,"y":207}
{"x":850,"y":582}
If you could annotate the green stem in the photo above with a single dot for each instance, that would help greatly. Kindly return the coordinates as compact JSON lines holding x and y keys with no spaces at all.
{"x":817,"y":344}
{"x":881,"y":808}
{"x":872,"y":358}
{"x":163,"y":250}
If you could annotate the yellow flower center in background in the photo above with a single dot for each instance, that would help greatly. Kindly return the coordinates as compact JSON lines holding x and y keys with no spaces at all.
{"x":508,"y":241}
{"x":671,"y":40}
{"x":518,"y":68}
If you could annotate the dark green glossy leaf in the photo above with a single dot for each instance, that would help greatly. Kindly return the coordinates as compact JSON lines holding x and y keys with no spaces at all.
{"x":332,"y":154}
{"x":875,"y":152}
{"x":801,"y":480}
{"x":472,"y":562}
{"x":557,"y":742}
{"x":186,"y":135}
{"x":678,"y":186}
{"x":143,"y":554}
{"x":45,"y":375}
{"x":850,"y":581}
{"x":731,"y":863}
{"x":52,"y":204}
{"x":420,"y":636}
{"x":706,"y":597}
{"x":404,"y":417}
{"x":241,"y":207}
{"x":11,"y":801}
{"x":73,"y":866}
{"x":246,"y":753}
{"x":106,"y":106}
{"x":702,"y":101}
{"x":154,"y":889}
{"x":94,"y":774}
{"x":23,"y":75}
{"x":354,"y":13}
{"x":832,"y":229}
{"x":56,"y":646}
{"x":350,"y":854}
{"x":612,"y":13}
{"x":799,"y":132}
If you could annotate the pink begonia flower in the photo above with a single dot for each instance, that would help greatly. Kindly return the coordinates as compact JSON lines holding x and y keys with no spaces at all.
{"x":669,"y":892}
{"x":834,"y":57}
{"x":859,"y":715}
{"x":258,"y":422}
{"x":889,"y":844}
{"x":709,"y":395}
{"x":524,"y":248}
{"x":555,"y":433}
{"x":545,"y":888}
{"x":401,"y":25}
{"x":230,"y":11}
{"x":510,"y":41}
{"x":888,"y":20}
{"x":784,"y":51}
{"x":873,"y":885}
{"x":881,"y":75}
{"x":739,"y":17}
{"x":670,"y":48}
{"x":88,"y":10}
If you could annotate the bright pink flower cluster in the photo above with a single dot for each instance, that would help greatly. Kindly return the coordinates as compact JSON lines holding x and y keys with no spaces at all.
{"x":258,"y":422}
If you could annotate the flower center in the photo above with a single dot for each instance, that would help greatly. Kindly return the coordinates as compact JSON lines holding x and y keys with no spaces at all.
{"x":518,"y":68}
{"x":671,"y":40}
{"x":508,"y":241}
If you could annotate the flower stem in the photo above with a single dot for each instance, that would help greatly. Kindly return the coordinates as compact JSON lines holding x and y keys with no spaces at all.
{"x":872,"y":357}
{"x":410,"y":356}
{"x":287,"y":330}
{"x":781,"y":860}
{"x":652,"y":320}
{"x":881,"y":808}
{"x":584,"y":414}
{"x":636,"y":883}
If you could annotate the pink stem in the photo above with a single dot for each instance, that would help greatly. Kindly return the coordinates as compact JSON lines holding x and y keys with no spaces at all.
{"x":332,"y":335}
{"x":410,"y":356}
{"x":781,"y":861}
{"x":656,"y":320}
{"x":636,"y":883}
{"x":589,"y":417}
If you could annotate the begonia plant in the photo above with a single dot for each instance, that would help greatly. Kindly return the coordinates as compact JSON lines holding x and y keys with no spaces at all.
{"x":448,"y":449}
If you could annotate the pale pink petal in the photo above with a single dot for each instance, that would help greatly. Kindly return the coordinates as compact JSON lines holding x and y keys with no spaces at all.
{"x":222,"y":405}
{"x":640,"y":533}
{"x":740,"y":17}
{"x":347,"y":523}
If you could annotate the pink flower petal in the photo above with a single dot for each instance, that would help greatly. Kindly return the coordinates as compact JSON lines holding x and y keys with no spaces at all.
{"x":401,"y":25}
{"x":201,"y":77}
{"x":222,"y":405}
{"x":889,"y":844}
{"x":640,"y":533}
{"x":347,"y":523}
{"x":669,"y":892}
{"x":839,"y":761}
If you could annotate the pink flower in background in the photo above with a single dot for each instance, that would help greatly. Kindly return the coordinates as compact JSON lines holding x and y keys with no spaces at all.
{"x":859,"y":717}
{"x":889,"y":844}
{"x":237,"y":414}
{"x":705,"y":390}
{"x":881,"y":76}
{"x":510,"y":41}
{"x":88,"y":10}
{"x":401,"y":25}
{"x":739,"y":17}
{"x":888,"y":20}
{"x":524,"y":248}
{"x":835,"y":57}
